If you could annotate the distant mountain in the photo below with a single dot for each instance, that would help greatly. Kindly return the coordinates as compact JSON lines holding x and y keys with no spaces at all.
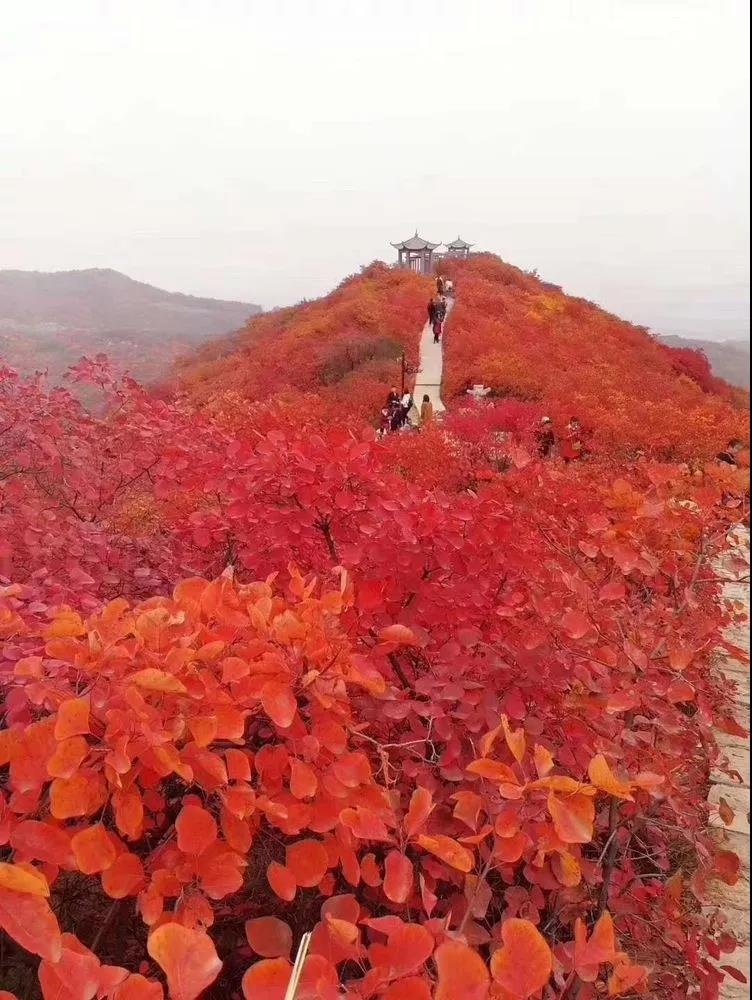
{"x":728,"y":358}
{"x":48,"y":320}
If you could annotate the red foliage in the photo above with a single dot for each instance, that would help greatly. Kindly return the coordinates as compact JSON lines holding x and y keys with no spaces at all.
{"x":257,"y":684}
{"x":528,"y":340}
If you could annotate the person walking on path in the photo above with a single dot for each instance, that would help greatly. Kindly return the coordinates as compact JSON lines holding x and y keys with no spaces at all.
{"x":431,"y":310}
{"x":440,"y":285}
{"x":393,"y":398}
{"x":426,"y":411}
{"x":437,"y":328}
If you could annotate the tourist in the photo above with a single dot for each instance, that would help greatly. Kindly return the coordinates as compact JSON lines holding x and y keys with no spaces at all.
{"x":440,"y":285}
{"x":441,"y":309}
{"x":449,"y":288}
{"x":437,"y":328}
{"x":573,"y":447}
{"x":431,"y":311}
{"x":731,"y":455}
{"x":385,"y":420}
{"x":405,"y":405}
{"x":545,"y":437}
{"x":426,"y":411}
{"x":392,"y":399}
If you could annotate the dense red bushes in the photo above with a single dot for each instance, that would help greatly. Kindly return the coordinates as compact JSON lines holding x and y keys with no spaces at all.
{"x":448,"y":707}
{"x":528,"y":340}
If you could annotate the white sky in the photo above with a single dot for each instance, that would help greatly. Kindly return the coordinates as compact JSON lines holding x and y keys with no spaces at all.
{"x":262,"y":150}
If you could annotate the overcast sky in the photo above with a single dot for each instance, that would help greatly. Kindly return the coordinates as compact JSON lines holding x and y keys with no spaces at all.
{"x":262,"y":150}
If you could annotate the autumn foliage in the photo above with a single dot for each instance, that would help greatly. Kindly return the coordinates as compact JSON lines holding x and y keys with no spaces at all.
{"x":447,"y":707}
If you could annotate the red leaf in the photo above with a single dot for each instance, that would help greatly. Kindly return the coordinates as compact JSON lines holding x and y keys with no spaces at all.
{"x":125,"y":877}
{"x":72,"y":718}
{"x":411,"y":988}
{"x":269,"y":937}
{"x":31,"y":923}
{"x":575,"y":624}
{"x":308,"y":862}
{"x":279,"y":703}
{"x":187,"y":958}
{"x":267,"y":980}
{"x":407,"y":948}
{"x":462,"y":973}
{"x":196,"y":829}
{"x":398,"y":877}
{"x":421,"y":807}
{"x":523,"y":965}
{"x":282,"y":881}
{"x":364,"y":824}
{"x":42,"y":842}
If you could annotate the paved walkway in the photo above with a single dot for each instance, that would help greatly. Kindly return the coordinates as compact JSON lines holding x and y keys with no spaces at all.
{"x":734,"y":900}
{"x":428,"y":379}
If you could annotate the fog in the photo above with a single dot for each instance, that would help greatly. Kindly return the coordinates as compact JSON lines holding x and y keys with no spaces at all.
{"x":261,"y":151}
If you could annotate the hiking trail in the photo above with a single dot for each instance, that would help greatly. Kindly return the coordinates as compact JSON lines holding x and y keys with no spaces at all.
{"x":431,"y":366}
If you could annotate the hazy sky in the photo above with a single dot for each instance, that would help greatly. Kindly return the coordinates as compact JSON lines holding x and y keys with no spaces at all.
{"x":262,"y":150}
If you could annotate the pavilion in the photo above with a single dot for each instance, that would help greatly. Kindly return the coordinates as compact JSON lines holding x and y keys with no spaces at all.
{"x":416,"y":254}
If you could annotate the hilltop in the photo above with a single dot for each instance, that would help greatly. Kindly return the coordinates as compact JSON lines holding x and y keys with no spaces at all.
{"x":50,"y":319}
{"x":523,"y":337}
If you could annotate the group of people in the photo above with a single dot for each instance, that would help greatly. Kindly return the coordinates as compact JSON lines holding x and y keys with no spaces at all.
{"x":401,"y":414}
{"x":571,"y":445}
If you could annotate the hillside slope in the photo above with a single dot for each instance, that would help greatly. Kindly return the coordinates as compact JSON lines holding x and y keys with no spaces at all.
{"x":48,"y":320}
{"x":528,"y":340}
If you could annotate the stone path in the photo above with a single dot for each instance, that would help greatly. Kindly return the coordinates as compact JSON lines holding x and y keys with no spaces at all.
{"x":428,"y":379}
{"x":734,"y":900}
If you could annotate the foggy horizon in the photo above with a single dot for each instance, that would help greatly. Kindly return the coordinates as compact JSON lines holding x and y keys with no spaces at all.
{"x":263,"y":152}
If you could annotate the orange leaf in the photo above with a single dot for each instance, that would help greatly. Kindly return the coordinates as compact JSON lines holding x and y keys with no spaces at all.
{"x":398,"y":877}
{"x":509,"y":850}
{"x":152,"y":679}
{"x":399,"y":634}
{"x":187,"y":958}
{"x":23,"y":879}
{"x":575,"y":624}
{"x":448,"y":851}
{"x":494,"y":770}
{"x":680,"y":657}
{"x":725,"y":811}
{"x":604,"y":778}
{"x":344,"y":931}
{"x":421,"y":807}
{"x":93,"y":849}
{"x":515,"y":740}
{"x":267,"y":980}
{"x":625,"y":978}
{"x":600,"y":948}
{"x":196,"y":829}
{"x":308,"y":862}
{"x":68,"y":756}
{"x":269,"y":937}
{"x":31,"y":923}
{"x":523,"y":964}
{"x":566,"y":869}
{"x":72,"y":718}
{"x":282,"y":881}
{"x":462,"y":973}
{"x":544,"y":762}
{"x":365,"y":824}
{"x":279,"y":703}
{"x":573,"y":817}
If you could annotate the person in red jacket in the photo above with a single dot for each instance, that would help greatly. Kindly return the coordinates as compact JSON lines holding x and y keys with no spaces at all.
{"x":572,"y":444}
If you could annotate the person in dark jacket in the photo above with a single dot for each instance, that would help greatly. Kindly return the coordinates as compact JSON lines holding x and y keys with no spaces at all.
{"x":545,"y":437}
{"x":392,"y":399}
{"x":431,"y":311}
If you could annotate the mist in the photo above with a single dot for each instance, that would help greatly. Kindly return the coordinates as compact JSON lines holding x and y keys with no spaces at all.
{"x":263,"y":151}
